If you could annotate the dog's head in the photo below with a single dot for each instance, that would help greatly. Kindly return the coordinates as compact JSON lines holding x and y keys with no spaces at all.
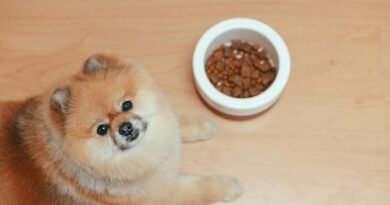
{"x":113,"y":119}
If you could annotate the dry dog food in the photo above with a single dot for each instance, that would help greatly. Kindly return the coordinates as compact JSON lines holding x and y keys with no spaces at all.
{"x":240,"y":69}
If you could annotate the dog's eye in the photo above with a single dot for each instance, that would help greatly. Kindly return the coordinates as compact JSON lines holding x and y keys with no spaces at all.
{"x":103,"y":129}
{"x":126,"y":106}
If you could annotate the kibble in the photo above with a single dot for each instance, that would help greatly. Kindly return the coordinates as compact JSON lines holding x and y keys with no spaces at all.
{"x":240,"y":69}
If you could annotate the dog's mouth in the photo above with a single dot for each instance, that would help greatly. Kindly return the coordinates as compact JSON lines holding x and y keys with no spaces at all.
{"x":130,"y":133}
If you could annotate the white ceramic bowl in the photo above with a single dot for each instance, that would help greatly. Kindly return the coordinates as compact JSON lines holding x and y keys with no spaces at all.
{"x":247,"y":30}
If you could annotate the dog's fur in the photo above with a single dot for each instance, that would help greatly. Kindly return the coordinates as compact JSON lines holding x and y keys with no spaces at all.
{"x":50,"y":152}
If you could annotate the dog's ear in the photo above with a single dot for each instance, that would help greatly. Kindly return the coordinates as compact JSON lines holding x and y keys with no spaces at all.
{"x":60,"y":99}
{"x":99,"y":62}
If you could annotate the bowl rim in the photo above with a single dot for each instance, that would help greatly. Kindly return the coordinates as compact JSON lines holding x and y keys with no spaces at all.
{"x":241,"y":104}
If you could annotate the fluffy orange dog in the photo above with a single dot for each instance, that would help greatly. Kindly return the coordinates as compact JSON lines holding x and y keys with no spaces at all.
{"x":104,"y":136}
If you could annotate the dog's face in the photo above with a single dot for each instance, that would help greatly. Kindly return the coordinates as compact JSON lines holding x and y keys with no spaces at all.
{"x":116,"y":122}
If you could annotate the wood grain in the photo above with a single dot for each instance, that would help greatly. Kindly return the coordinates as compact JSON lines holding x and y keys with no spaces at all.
{"x":326,"y":142}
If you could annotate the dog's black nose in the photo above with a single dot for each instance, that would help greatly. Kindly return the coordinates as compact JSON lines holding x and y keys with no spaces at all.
{"x":126,"y":129}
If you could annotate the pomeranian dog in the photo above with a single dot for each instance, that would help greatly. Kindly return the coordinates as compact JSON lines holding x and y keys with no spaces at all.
{"x":103,"y":136}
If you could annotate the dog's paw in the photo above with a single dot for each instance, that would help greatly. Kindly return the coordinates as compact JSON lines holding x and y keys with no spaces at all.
{"x":233,"y":189}
{"x":226,"y":188}
{"x":206,"y":128}
{"x":198,"y":129}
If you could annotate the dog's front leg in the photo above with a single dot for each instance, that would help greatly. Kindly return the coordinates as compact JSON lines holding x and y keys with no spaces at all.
{"x":196,"y":129}
{"x":197,"y":190}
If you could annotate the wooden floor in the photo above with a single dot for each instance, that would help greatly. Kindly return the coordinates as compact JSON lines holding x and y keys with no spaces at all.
{"x":326,"y":141}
